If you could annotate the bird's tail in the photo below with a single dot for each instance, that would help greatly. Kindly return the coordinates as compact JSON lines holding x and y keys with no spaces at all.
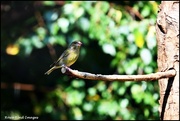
{"x":52,"y":69}
{"x":49,"y":71}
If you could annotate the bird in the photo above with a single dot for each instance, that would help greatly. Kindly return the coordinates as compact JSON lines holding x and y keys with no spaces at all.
{"x":67,"y":58}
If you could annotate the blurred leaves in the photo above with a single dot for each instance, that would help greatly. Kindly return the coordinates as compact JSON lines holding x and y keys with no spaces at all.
{"x":117,"y":37}
{"x":12,"y":49}
{"x":139,"y":38}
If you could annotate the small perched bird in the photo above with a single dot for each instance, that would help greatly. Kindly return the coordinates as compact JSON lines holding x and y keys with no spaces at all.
{"x":68,"y":57}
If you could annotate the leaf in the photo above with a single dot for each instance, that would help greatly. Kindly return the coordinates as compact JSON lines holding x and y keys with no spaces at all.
{"x":139,"y":40}
{"x":12,"y":49}
{"x":77,"y":113}
{"x":92,"y":91}
{"x":49,"y":3}
{"x":36,"y":42}
{"x":104,"y":6}
{"x":146,"y":11}
{"x":109,"y":49}
{"x":78,"y":83}
{"x":54,"y":28}
{"x":146,"y":56}
{"x":63,"y":24}
{"x":137,"y":93}
{"x":75,"y":97}
{"x":88,"y":107}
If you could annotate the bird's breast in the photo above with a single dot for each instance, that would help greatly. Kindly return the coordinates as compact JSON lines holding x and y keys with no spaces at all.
{"x":70,"y":59}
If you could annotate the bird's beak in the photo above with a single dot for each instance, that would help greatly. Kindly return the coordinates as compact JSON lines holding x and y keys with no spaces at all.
{"x":79,"y":43}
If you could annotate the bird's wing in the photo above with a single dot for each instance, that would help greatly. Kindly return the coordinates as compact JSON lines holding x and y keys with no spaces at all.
{"x":63,"y":55}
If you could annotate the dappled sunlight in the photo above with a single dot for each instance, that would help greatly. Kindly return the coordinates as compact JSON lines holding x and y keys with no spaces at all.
{"x":12,"y":49}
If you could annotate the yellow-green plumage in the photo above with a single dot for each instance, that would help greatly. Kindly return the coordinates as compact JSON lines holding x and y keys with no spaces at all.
{"x":68,"y":57}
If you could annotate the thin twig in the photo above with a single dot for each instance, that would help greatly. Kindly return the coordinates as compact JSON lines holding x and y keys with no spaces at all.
{"x":90,"y":76}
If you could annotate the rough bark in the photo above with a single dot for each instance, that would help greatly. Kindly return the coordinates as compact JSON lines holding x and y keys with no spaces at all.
{"x":167,"y":28}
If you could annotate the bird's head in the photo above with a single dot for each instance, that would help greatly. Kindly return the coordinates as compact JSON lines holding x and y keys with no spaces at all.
{"x":75,"y":44}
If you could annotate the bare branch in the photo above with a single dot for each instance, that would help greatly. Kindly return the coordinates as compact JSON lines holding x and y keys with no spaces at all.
{"x":90,"y":76}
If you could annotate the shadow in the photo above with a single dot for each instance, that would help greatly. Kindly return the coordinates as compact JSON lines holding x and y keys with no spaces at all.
{"x":168,"y":89}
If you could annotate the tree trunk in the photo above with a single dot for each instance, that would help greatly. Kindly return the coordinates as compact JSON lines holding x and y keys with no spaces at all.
{"x":167,"y":34}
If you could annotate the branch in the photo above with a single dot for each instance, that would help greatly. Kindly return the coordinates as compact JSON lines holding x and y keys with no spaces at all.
{"x":90,"y":76}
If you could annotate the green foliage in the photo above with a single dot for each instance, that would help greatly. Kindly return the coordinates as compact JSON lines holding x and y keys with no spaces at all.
{"x":118,"y":38}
